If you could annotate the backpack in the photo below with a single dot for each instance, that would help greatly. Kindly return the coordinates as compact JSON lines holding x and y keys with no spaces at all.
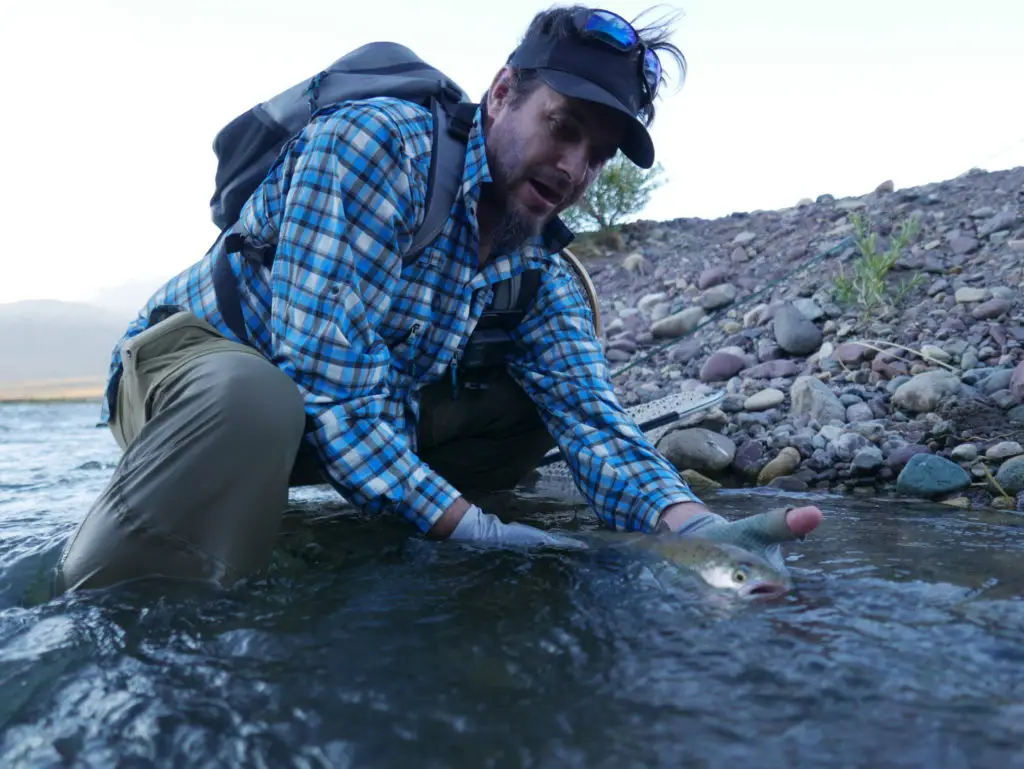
{"x":248,"y":146}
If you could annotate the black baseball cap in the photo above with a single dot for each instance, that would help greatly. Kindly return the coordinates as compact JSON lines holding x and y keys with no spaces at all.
{"x":587,"y":69}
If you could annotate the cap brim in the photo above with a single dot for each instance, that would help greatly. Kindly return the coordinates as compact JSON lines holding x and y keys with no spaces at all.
{"x":636,"y":144}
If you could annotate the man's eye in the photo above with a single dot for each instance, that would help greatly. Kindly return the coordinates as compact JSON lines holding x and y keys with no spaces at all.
{"x":563,"y":130}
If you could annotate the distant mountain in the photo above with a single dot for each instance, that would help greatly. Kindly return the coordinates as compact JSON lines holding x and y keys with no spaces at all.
{"x":55,"y":349}
{"x":125,"y":299}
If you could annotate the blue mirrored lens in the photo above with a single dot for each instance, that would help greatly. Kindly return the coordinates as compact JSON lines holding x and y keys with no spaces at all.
{"x":652,"y":70}
{"x":613,"y":29}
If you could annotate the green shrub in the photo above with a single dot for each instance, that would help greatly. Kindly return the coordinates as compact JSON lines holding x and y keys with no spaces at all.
{"x":621,"y":190}
{"x":866,"y":285}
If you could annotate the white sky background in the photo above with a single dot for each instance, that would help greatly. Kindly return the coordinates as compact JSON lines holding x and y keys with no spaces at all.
{"x":111,"y":106}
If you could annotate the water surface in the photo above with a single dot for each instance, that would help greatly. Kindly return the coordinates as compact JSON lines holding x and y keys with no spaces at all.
{"x":366,"y":646}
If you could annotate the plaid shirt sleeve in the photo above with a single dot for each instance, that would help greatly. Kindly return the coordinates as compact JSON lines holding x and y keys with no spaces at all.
{"x":348,"y":207}
{"x":564,"y":370}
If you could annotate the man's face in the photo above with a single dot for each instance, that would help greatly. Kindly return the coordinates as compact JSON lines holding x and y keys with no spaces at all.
{"x":544,"y":153}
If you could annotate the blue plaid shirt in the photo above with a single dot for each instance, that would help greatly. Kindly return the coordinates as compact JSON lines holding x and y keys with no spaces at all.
{"x":359,"y":334}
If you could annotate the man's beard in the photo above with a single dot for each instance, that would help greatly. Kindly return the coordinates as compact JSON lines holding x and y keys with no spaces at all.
{"x":512,"y":227}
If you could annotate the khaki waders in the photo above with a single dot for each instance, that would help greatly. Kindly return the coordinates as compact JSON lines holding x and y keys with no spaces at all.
{"x":212,"y":435}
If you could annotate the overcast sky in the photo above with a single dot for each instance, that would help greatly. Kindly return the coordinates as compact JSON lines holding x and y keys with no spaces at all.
{"x":111,"y":107}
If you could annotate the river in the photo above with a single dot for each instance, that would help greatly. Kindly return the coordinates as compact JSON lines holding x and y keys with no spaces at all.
{"x":901,"y":645}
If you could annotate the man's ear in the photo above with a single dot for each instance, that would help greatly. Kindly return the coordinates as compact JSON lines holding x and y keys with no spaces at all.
{"x":500,"y":91}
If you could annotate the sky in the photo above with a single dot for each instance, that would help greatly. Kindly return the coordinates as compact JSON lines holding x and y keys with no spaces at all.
{"x":111,"y":107}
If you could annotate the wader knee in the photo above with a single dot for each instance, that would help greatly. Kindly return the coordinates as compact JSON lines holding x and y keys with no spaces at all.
{"x":201,"y":487}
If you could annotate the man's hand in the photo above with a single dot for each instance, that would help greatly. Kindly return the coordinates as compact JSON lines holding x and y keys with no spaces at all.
{"x":763,"y":533}
{"x":463,"y":522}
{"x":800,"y":520}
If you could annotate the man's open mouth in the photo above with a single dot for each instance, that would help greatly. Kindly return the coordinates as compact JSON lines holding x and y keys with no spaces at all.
{"x":549,"y":194}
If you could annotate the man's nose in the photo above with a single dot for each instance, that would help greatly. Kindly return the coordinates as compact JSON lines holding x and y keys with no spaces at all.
{"x":574,"y":164}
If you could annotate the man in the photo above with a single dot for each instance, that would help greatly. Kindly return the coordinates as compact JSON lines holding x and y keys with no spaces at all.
{"x":348,"y":366}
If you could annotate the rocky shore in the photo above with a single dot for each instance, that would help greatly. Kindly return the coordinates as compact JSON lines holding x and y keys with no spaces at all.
{"x":919,"y":395}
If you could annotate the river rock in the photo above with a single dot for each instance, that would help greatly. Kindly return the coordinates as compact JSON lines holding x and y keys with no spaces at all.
{"x":848,"y":444}
{"x":970,"y":295}
{"x":1004,"y":450}
{"x":993,"y":308}
{"x":718,"y":296}
{"x":859,"y":412}
{"x":1011,"y":475}
{"x":721,"y":366}
{"x":785,"y":463}
{"x":698,"y":449}
{"x":681,"y":323}
{"x":795,"y":333}
{"x":700,"y":484}
{"x":868,"y":460}
{"x":748,"y":460}
{"x":713,"y":276}
{"x":647,"y":301}
{"x":852,"y":353}
{"x":765,"y":399}
{"x":930,"y":476}
{"x":1017,"y":381}
{"x":899,"y":457}
{"x":684,"y":351}
{"x":808,"y":308}
{"x":812,"y":397}
{"x":965,"y":452}
{"x":772,"y":369}
{"x":926,"y":391}
{"x":1004,"y":220}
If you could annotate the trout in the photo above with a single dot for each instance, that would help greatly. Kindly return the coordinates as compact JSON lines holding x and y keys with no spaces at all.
{"x":722,"y":566}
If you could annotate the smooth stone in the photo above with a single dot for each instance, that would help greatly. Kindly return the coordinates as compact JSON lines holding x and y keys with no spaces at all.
{"x":721,"y":366}
{"x":925,"y":392}
{"x":699,"y":449}
{"x":930,"y":476}
{"x":965,"y":452}
{"x":785,"y":462}
{"x":765,"y":399}
{"x":1011,"y":475}
{"x":810,"y":396}
{"x":868,"y":459}
{"x":679,"y":324}
{"x":969,"y":295}
{"x":796,"y":334}
{"x":1004,"y":450}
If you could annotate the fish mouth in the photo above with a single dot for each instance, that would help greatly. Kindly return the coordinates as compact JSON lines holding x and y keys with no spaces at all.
{"x":764,"y":591}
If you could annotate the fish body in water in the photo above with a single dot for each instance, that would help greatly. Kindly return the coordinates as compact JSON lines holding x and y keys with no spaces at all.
{"x":722,"y":566}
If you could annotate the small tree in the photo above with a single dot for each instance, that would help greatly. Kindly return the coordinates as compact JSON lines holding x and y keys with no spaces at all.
{"x":622,"y":189}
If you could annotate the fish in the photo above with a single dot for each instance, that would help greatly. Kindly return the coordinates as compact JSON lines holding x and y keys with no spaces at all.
{"x":725,"y":568}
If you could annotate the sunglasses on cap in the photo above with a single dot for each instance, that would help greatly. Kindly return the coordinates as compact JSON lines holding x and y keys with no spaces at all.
{"x":614,"y":31}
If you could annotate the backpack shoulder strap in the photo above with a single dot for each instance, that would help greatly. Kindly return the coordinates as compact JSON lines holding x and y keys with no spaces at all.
{"x":529,"y":282}
{"x":583,"y":278}
{"x":452,"y":124}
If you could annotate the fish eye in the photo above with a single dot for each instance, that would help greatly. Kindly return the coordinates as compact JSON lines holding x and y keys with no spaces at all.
{"x":740,"y":575}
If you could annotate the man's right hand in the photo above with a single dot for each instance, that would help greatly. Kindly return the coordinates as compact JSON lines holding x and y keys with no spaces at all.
{"x":468,"y":523}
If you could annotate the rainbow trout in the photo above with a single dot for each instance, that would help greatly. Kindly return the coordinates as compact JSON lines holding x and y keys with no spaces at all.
{"x":722,"y":566}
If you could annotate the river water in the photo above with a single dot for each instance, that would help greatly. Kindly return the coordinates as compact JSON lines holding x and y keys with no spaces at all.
{"x":902,"y":644}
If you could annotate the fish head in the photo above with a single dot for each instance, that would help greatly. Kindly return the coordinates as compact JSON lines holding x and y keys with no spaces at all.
{"x":743,"y":573}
